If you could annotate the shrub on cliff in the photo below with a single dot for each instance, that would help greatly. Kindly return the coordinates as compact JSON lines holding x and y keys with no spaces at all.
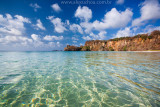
{"x":155,"y":32}
{"x":125,"y":48}
{"x":85,"y":48}
{"x":149,"y":37}
{"x":111,"y":49}
{"x":146,"y":36}
{"x":121,"y":38}
{"x":72,"y":48}
{"x":143,"y":36}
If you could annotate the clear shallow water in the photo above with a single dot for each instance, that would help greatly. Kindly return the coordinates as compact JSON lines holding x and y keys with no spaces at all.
{"x":89,"y":79}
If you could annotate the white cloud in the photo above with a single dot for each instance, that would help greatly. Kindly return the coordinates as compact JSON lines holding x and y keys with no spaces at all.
{"x":58,"y":24}
{"x":75,"y":39}
{"x":150,"y":28}
{"x":53,"y":44}
{"x":21,"y":18}
{"x":84,"y":13}
{"x":39,"y":25}
{"x":76,"y":27}
{"x":50,"y":38}
{"x":88,"y":26}
{"x":39,"y":44}
{"x":36,"y":41}
{"x":150,"y":10}
{"x":67,"y":22}
{"x":11,"y":31}
{"x":87,"y":38}
{"x":100,"y":36}
{"x":12,"y":37}
{"x":58,"y":44}
{"x":35,"y":37}
{"x":114,"y":19}
{"x":12,"y":25}
{"x":81,"y":44}
{"x":124,"y":33}
{"x":56,"y":7}
{"x":132,"y":31}
{"x":15,"y":39}
{"x":35,"y":6}
{"x":119,"y":2}
{"x":45,"y":46}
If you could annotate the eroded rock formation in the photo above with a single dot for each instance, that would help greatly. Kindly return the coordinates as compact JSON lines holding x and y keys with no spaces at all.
{"x":141,"y":42}
{"x":72,"y":48}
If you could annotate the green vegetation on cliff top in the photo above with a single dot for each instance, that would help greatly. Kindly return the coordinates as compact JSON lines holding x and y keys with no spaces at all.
{"x":142,"y":36}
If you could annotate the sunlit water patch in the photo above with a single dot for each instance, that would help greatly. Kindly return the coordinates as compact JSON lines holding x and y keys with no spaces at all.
{"x":76,"y":79}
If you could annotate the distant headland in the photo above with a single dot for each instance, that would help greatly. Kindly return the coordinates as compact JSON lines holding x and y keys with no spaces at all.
{"x":140,"y":42}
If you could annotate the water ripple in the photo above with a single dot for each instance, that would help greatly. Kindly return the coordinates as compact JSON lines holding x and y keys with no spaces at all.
{"x":88,"y":79}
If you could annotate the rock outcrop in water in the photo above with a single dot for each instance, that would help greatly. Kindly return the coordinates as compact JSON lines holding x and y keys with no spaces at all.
{"x":141,"y":42}
{"x":72,"y":48}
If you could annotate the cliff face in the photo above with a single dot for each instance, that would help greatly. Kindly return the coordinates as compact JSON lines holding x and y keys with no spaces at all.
{"x":127,"y":44}
{"x":141,"y":42}
{"x":72,"y":48}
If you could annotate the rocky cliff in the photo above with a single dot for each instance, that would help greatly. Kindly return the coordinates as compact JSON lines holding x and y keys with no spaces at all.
{"x":141,"y":42}
{"x":72,"y":48}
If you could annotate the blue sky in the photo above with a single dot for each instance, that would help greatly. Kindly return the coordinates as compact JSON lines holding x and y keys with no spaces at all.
{"x":44,"y":25}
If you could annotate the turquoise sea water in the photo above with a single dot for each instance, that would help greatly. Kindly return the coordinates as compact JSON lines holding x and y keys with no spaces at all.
{"x":79,"y":79}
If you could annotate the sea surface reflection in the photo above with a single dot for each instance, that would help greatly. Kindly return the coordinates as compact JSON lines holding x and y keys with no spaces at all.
{"x":89,"y":79}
